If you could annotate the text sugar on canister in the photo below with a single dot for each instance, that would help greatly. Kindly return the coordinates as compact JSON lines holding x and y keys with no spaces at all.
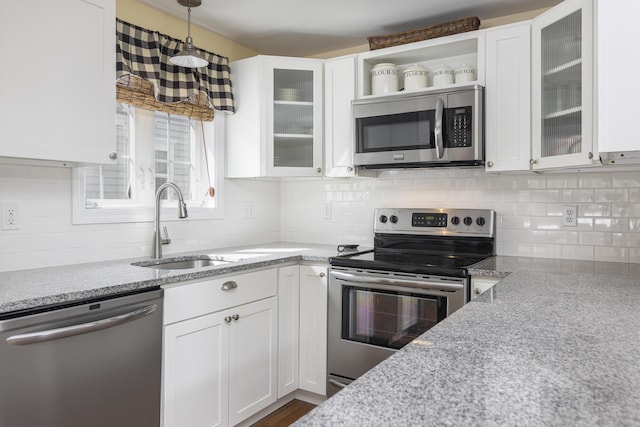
{"x":384,"y":78}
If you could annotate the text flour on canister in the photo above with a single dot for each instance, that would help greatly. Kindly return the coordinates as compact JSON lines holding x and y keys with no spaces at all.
{"x":415,"y":77}
{"x":384,"y":78}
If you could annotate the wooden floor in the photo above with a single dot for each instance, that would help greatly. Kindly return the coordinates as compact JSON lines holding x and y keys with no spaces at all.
{"x":286,"y":415}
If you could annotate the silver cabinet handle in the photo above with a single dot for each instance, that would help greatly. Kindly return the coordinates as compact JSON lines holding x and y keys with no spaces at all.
{"x":235,"y":316}
{"x":489,"y":164}
{"x":83,"y":328}
{"x":396,"y":282}
{"x":477,"y":291}
{"x":321,"y":274}
{"x":227,"y":319}
{"x":113,"y":156}
{"x":438,"y":129}
{"x":227,"y":286}
{"x":337,"y":383}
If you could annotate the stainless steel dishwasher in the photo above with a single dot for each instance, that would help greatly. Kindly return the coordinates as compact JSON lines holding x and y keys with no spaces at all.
{"x":93,"y":364}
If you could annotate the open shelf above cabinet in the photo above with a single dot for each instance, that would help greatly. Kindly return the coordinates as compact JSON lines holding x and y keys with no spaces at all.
{"x":453,"y":51}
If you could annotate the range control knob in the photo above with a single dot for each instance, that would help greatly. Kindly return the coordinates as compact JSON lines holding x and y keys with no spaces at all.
{"x":383,"y":218}
{"x":467,"y":220}
{"x":480,"y":221}
{"x":393,"y":219}
{"x":455,"y":220}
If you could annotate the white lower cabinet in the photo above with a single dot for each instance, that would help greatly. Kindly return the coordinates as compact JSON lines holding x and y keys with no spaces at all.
{"x":313,"y":328}
{"x":288,"y":328}
{"x":480,"y":284}
{"x":220,"y":367}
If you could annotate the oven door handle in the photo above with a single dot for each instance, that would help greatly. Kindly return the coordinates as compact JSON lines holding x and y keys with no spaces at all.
{"x":347,"y":277}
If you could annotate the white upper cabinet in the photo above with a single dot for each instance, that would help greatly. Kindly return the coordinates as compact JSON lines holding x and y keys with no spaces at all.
{"x":617,"y":60}
{"x":508,"y":98}
{"x":58,"y":94}
{"x":339,"y":91}
{"x":452,"y":51}
{"x":277,"y":128}
{"x":563,"y":102}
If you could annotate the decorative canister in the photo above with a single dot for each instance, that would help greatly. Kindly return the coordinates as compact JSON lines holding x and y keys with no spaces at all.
{"x":415,"y":77}
{"x":442,"y":75}
{"x":465,"y":73}
{"x":384,"y":78}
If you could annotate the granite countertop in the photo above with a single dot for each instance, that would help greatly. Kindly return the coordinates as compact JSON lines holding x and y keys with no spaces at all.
{"x":25,"y":290}
{"x":554,"y":343}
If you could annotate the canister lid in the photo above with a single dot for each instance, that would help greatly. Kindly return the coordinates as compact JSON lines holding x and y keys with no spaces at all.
{"x":384,"y":65}
{"x":415,"y":67}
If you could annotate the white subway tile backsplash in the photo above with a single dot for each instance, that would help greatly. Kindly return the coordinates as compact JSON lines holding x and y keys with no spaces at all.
{"x":529,"y":209}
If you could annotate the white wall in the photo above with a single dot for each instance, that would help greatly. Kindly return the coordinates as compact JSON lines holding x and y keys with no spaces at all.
{"x":528,"y":207}
{"x":46,"y":236}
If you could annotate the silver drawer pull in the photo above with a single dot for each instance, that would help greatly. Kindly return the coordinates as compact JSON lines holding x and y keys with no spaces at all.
{"x":227,"y":319}
{"x":235,"y":316}
{"x":227,"y":286}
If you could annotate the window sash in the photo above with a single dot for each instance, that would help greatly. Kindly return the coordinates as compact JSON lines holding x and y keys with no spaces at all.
{"x":140,"y":205}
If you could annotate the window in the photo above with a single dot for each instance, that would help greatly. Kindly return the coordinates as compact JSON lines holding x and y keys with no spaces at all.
{"x":153,"y":148}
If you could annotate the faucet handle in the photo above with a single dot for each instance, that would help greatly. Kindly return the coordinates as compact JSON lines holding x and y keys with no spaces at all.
{"x":165,"y":240}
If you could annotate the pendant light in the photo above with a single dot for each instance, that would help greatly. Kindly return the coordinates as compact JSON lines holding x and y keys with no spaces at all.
{"x":188,"y":57}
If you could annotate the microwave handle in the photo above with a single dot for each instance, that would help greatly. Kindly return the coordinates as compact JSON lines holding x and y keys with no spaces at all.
{"x":437,"y":132}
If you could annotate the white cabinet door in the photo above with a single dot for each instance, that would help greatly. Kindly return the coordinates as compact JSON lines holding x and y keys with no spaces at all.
{"x":195,"y":381}
{"x":339,"y":91}
{"x":252,"y":358}
{"x":481,"y":284}
{"x":562,"y":87}
{"x":617,"y":110}
{"x":508,"y":98}
{"x":58,"y":97}
{"x":277,"y":128}
{"x":313,"y":328}
{"x":288,"y":328}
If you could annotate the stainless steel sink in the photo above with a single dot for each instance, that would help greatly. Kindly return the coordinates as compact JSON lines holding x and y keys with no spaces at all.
{"x":184,"y":263}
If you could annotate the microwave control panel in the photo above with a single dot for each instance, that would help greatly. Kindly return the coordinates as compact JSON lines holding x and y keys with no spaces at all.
{"x":459,"y":126}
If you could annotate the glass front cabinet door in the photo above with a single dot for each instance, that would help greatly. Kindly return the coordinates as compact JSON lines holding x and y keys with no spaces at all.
{"x":562,"y":81}
{"x":293,"y":127}
{"x":277,"y":128}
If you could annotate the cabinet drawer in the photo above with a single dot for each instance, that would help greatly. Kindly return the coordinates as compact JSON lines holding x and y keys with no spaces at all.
{"x":207,"y":296}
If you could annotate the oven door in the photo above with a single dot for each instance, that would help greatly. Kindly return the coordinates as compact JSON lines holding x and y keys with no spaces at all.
{"x":374,"y":313}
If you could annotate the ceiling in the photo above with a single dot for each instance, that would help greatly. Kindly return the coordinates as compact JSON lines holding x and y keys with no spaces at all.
{"x":308,"y":27}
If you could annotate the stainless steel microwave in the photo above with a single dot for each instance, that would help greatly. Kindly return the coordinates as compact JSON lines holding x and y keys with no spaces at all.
{"x":438,"y":128}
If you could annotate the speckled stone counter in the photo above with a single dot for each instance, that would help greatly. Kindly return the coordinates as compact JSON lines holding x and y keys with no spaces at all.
{"x":554,"y":343}
{"x":25,"y":290}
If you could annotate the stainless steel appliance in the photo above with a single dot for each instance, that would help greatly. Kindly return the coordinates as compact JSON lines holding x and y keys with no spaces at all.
{"x":438,"y":128}
{"x":93,"y":364}
{"x":415,"y":277}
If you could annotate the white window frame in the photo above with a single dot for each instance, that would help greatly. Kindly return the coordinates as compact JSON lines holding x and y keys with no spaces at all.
{"x":142,"y":209}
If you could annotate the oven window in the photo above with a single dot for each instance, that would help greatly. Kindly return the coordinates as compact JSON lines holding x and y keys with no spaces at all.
{"x":387,"y":318}
{"x":406,"y":131}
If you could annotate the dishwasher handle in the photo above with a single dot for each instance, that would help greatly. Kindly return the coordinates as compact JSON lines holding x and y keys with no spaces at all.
{"x":83,"y":328}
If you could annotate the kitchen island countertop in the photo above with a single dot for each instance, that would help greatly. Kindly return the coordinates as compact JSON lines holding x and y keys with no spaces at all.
{"x":554,"y":343}
{"x":27,"y":290}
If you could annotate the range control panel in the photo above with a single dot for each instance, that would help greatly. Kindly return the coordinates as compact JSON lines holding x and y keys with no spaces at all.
{"x":441,"y":221}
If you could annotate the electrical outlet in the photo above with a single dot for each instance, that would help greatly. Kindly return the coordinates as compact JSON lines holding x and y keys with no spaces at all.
{"x":249,"y":209}
{"x":570,"y":216}
{"x":327,"y":211}
{"x":10,"y":216}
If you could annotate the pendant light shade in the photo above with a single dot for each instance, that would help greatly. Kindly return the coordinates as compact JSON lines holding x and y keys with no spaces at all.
{"x":188,"y":57}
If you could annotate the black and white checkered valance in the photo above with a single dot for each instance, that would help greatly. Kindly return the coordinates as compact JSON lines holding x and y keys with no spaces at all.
{"x":142,"y":66}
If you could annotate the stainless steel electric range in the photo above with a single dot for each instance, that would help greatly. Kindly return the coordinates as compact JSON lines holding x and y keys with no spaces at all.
{"x":415,"y":277}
